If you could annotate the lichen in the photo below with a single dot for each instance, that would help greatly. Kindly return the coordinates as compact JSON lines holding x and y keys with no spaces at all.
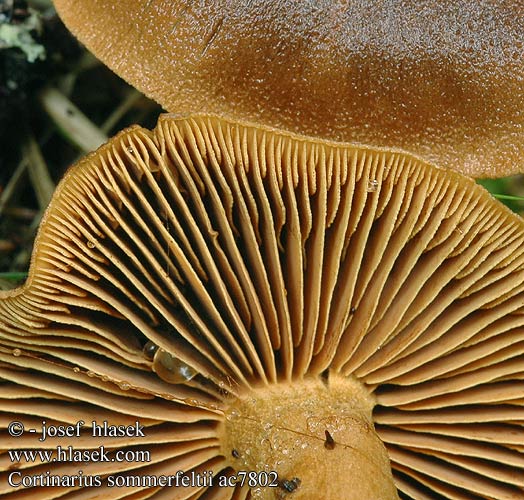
{"x":20,"y":35}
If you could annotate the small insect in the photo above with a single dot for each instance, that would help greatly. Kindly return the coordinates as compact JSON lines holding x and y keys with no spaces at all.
{"x":329,"y":443}
{"x":235,"y":453}
{"x":290,"y":485}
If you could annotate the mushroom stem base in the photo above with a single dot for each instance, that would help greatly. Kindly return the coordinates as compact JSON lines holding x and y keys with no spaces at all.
{"x":318,"y":437}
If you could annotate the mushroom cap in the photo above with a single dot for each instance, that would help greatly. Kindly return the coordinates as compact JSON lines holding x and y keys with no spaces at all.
{"x":257,"y":260}
{"x":441,"y":80}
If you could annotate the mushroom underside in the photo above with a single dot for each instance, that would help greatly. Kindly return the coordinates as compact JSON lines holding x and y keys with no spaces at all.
{"x":183,"y":275}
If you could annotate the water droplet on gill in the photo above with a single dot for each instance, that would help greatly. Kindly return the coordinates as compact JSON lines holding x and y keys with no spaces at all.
{"x":105,"y":378}
{"x":76,"y":369}
{"x":372,"y":186}
{"x":150,"y":349}
{"x":90,"y":374}
{"x":130,"y":150}
{"x":90,"y":244}
{"x":17,"y":352}
{"x":172,"y":369}
{"x":124,"y":386}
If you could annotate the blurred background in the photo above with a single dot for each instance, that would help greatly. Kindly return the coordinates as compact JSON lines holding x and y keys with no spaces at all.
{"x":57,"y":102}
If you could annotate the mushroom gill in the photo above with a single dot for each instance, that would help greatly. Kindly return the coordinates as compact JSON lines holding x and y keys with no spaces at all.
{"x":339,"y":317}
{"x":438,"y":79}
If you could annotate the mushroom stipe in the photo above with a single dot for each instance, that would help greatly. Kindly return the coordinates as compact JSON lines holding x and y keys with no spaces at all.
{"x":346,"y":317}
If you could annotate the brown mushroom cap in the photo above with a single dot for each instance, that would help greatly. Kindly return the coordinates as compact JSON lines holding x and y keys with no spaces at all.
{"x":305,"y":297}
{"x":441,"y":80}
